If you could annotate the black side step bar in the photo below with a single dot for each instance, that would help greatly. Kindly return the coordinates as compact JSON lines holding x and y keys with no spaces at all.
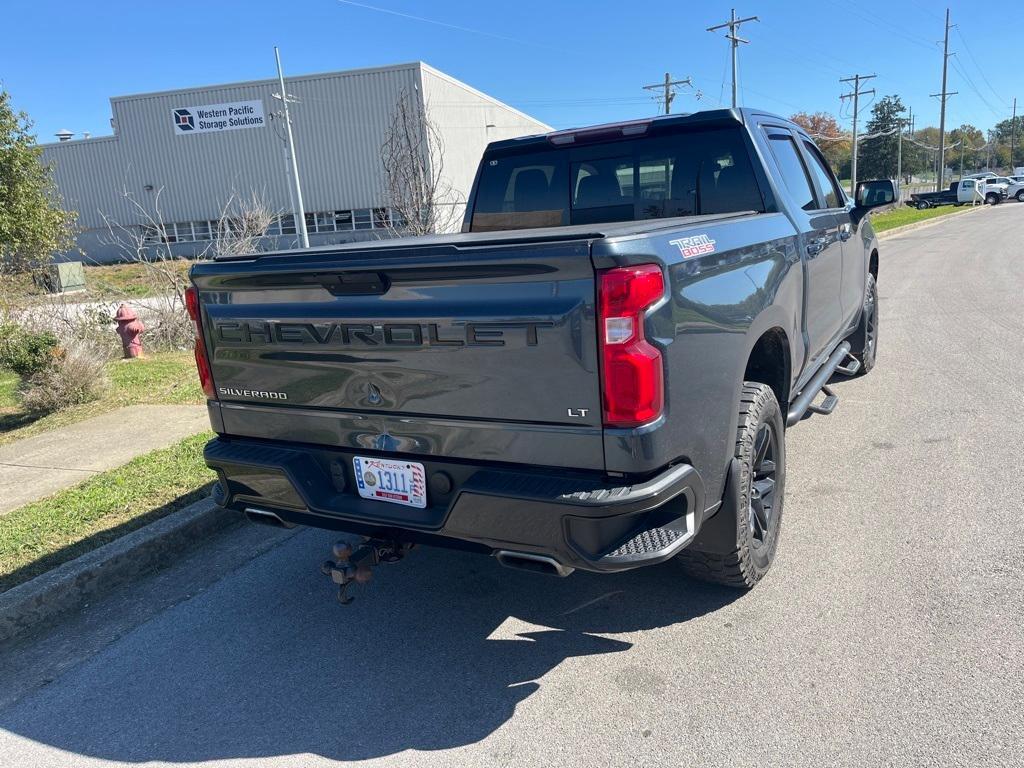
{"x":804,"y":400}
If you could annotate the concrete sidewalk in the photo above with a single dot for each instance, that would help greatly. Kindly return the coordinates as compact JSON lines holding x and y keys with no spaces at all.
{"x":35,"y":467}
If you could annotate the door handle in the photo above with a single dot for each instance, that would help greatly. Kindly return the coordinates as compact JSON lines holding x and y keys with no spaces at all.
{"x":816,"y":246}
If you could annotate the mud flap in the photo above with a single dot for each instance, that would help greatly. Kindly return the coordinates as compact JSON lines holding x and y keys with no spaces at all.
{"x":718,"y":535}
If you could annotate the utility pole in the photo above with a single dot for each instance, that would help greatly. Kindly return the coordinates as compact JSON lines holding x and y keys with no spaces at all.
{"x":903,"y":123}
{"x":1013,"y":134}
{"x":300,"y":211}
{"x":857,"y":93}
{"x":942,"y":109}
{"x":668,"y":86}
{"x":734,"y":26}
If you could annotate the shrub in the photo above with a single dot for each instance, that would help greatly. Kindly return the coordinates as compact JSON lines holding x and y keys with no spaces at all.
{"x":26,"y":352}
{"x":77,"y":374}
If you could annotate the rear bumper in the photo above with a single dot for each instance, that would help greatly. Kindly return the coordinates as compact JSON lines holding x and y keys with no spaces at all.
{"x":580,"y":519}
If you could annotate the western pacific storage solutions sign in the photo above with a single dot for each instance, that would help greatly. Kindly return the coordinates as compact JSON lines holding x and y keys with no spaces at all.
{"x":214,"y":118}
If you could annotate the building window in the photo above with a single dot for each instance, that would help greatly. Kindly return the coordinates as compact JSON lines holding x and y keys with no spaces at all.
{"x":201,"y":230}
{"x":343,"y":220}
{"x":363,"y":219}
{"x":151,"y":235}
{"x":284,"y":225}
{"x":325,"y":222}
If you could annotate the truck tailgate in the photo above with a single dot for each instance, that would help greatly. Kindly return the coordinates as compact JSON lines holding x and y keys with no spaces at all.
{"x":480,"y":352}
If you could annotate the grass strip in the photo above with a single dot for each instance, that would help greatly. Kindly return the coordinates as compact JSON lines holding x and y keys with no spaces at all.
{"x":8,"y":392}
{"x":163,"y":379}
{"x":900,"y":217}
{"x":40,"y":536}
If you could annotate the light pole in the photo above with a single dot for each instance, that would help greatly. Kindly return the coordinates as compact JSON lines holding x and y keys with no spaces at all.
{"x":300,"y":211}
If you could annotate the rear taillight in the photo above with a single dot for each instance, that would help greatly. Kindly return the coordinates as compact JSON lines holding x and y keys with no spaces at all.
{"x":634,"y":382}
{"x":202,"y":361}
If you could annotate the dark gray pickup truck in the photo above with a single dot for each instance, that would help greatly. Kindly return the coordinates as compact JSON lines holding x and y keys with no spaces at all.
{"x":597,"y":373}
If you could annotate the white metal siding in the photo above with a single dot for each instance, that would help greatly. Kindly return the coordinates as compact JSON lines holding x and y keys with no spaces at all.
{"x":339,"y":122}
{"x":463,"y":114}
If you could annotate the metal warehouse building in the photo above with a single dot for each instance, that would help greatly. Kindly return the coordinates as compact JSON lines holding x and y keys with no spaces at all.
{"x":189,"y":151}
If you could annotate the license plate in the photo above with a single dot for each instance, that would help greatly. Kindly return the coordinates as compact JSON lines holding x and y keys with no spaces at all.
{"x":397,"y":482}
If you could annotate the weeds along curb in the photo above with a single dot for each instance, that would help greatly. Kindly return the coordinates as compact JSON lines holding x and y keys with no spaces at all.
{"x":44,"y":599}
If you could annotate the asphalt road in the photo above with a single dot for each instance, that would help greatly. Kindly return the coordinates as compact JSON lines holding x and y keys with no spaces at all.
{"x":889,"y":632}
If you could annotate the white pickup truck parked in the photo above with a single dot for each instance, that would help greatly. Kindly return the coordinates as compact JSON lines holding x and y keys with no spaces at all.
{"x":1014,"y":187}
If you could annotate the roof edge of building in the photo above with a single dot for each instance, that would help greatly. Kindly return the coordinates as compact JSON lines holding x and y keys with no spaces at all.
{"x":266,"y":81}
{"x":480,"y":94}
{"x":73,"y":142}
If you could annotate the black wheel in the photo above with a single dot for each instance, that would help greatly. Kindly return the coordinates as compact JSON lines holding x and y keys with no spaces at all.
{"x":864,"y":341}
{"x":761,"y":452}
{"x":922,"y":206}
{"x":991,"y":198}
{"x":1020,"y":196}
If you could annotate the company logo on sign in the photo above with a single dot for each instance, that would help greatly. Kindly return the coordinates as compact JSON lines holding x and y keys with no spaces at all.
{"x":214,"y":118}
{"x":184,"y":120}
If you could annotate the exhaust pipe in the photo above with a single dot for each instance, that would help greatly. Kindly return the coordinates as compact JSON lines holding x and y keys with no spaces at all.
{"x":525,"y":561}
{"x":263,"y":517}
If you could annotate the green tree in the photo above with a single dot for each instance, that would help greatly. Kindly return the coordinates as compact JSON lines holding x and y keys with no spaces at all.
{"x":33,"y":226}
{"x":877,"y":156}
{"x":969,"y":152}
{"x":1005,"y":133}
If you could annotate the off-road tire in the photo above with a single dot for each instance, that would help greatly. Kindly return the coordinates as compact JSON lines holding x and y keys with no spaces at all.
{"x":747,"y":564}
{"x":864,"y":341}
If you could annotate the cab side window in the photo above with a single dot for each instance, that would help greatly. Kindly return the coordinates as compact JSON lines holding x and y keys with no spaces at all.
{"x":823,"y":175}
{"x":794,"y":174}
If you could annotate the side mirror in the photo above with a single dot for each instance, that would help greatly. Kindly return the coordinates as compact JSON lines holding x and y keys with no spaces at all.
{"x":874,"y":194}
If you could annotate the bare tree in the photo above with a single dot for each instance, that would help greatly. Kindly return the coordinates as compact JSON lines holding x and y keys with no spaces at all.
{"x":240,"y":229}
{"x":421,"y":199}
{"x":243,"y":225}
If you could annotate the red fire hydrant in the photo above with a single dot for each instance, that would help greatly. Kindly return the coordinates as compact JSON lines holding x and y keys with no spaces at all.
{"x":130,"y":329}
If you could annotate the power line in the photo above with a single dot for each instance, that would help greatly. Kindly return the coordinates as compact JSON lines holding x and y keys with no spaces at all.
{"x":734,"y":25}
{"x":437,"y":23}
{"x":878,"y":21}
{"x":963,"y":73}
{"x":669,"y":87}
{"x":978,"y":66}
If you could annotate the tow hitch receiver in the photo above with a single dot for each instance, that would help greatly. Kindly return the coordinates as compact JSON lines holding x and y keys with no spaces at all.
{"x":353,"y":562}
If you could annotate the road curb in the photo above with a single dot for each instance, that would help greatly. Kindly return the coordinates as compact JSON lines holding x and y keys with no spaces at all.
{"x":42,"y":600}
{"x":924,"y":224}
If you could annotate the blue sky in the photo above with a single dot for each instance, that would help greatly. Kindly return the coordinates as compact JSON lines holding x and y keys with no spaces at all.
{"x":568,"y":63}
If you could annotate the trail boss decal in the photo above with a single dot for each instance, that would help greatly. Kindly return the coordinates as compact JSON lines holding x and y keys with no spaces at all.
{"x":694,"y":246}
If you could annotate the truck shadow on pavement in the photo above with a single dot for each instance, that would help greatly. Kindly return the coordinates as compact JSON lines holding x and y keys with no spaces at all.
{"x":437,"y":653}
